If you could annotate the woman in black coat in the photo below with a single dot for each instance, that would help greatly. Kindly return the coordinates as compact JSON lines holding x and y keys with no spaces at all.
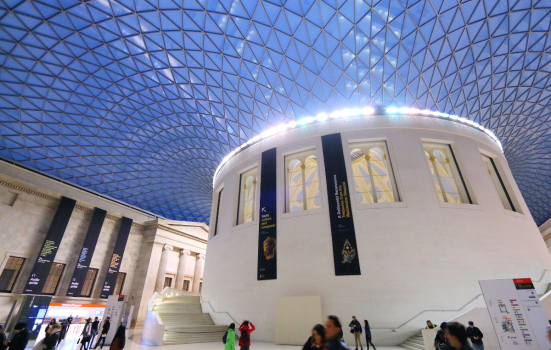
{"x":317,"y":339}
{"x":50,"y":342}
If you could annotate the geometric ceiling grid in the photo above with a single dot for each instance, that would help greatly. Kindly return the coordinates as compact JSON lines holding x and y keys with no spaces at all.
{"x":140,"y":100}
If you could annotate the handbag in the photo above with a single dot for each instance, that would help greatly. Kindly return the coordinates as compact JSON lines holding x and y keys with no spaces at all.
{"x":352,"y":330}
{"x":78,"y":341}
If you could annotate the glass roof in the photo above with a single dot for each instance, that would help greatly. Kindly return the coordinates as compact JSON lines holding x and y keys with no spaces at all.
{"x":140,"y":100}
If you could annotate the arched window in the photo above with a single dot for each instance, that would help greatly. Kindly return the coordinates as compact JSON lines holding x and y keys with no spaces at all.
{"x":373,"y":174}
{"x":445,"y":173}
{"x":302,"y":182}
{"x":247,"y":196}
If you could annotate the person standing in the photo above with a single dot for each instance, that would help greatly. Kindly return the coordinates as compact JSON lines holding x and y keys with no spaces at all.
{"x":52,"y":322}
{"x":119,"y":340}
{"x":440,"y":339}
{"x":86,"y":334}
{"x":245,"y":330}
{"x":20,"y":338}
{"x":456,"y":336}
{"x":3,"y":339}
{"x":50,"y":342}
{"x":356,"y":328}
{"x":69,"y":321}
{"x":317,"y":339}
{"x":430,"y":325}
{"x":367,"y":330}
{"x":230,"y":337}
{"x":63,"y":332}
{"x":475,"y":335}
{"x":333,"y":328}
{"x":104,"y":331}
{"x":95,"y":327}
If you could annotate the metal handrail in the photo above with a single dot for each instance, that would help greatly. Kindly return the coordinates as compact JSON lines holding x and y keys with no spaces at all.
{"x":218,"y":312}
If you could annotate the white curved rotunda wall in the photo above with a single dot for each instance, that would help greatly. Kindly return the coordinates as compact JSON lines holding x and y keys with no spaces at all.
{"x":415,"y":255}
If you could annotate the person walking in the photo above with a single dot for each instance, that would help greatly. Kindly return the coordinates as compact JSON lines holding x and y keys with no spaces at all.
{"x":63,"y":332}
{"x":367,"y":330}
{"x":20,"y":338}
{"x":316,"y":340}
{"x":69,"y":321}
{"x":245,"y":330}
{"x":356,"y":328}
{"x":50,"y":342}
{"x":95,"y":326}
{"x":86,"y":334}
{"x":475,"y":335}
{"x":430,"y":325}
{"x":230,"y":337}
{"x":440,"y":339}
{"x":104,"y":331}
{"x":52,"y":322}
{"x":3,"y":339}
{"x":456,"y":336}
{"x":119,"y":340}
{"x":333,"y":328}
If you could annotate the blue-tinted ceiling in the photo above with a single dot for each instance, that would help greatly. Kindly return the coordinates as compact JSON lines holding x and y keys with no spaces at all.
{"x":140,"y":100}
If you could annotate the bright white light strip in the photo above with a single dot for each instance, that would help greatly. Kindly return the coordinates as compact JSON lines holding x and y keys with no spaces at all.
{"x":345,"y":113}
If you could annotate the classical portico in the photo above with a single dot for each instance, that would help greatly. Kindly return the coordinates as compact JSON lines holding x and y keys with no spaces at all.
{"x":173,"y":256}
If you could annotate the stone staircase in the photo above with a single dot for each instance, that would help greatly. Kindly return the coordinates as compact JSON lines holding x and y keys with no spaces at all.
{"x":185,"y":323}
{"x":414,"y":343}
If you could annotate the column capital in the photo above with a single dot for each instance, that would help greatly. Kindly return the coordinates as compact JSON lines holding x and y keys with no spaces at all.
{"x":200,"y":256}
{"x":185,"y":252}
{"x":167,"y":247}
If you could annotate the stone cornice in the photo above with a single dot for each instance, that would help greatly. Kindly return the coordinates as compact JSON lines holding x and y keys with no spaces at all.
{"x":180,"y":233}
{"x":57,"y":200}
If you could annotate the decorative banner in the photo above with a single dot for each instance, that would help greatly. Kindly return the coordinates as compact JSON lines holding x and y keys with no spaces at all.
{"x":345,"y":249}
{"x":517,"y":316}
{"x":47,"y":254}
{"x":86,"y":253}
{"x":116,"y":258}
{"x":267,"y":231}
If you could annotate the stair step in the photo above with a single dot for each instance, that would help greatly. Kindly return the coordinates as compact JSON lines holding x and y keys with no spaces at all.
{"x":182,"y":300}
{"x":417,"y":341}
{"x":405,"y":346}
{"x":414,"y":345}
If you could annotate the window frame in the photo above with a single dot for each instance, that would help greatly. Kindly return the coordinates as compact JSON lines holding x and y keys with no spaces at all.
{"x":92,"y":285}
{"x":392,"y":174}
{"x":463,"y":181}
{"x":122,"y":284}
{"x":256,"y":167}
{"x":217,"y":208}
{"x":516,"y":207}
{"x":13,"y":280}
{"x":58,"y":281}
{"x":303,"y":155}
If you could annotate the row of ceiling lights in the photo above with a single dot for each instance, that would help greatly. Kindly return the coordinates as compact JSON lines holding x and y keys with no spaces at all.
{"x":345,"y":113}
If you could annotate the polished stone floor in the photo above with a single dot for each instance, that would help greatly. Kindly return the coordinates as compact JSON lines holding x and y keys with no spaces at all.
{"x":133,"y":343}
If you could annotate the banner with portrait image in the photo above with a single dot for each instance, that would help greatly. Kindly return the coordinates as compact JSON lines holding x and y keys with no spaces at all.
{"x":116,"y":258}
{"x":49,"y":248}
{"x":86,"y":253}
{"x":267,"y":231}
{"x":345,"y":249}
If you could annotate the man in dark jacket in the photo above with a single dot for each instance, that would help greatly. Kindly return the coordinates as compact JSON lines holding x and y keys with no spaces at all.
{"x":95,"y":327}
{"x":104,"y":331}
{"x":20,"y":338}
{"x":476,"y":336}
{"x":356,"y":328}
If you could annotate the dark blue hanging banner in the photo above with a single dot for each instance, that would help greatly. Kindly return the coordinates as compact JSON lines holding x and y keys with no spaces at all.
{"x":345,"y":249}
{"x":48,"y":251}
{"x":267,"y":230}
{"x":116,"y":258}
{"x":86,"y":253}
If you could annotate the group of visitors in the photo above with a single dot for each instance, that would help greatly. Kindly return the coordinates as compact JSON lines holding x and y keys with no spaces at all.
{"x":245,"y":331}
{"x":453,"y":336}
{"x":90,"y":331}
{"x":450,"y":336}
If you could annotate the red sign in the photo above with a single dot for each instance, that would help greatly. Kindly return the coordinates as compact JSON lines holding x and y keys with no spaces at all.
{"x":522,"y":280}
{"x":76,"y":305}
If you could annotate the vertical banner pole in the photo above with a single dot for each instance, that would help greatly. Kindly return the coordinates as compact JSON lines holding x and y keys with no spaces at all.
{"x":86,"y":253}
{"x":48,"y":251}
{"x":267,"y":230}
{"x":116,"y":258}
{"x":345,"y":249}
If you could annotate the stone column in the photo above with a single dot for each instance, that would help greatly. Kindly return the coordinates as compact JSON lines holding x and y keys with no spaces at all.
{"x":181,"y":269}
{"x":160,"y":282}
{"x":198,"y":274}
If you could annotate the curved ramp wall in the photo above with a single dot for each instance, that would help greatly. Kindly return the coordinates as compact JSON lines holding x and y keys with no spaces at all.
{"x":417,"y":254}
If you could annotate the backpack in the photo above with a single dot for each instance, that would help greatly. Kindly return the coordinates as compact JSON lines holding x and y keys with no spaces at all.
{"x":225,"y":337}
{"x":245,"y":336}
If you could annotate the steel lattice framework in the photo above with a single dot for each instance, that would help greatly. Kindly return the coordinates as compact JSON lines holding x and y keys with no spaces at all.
{"x":140,"y":100}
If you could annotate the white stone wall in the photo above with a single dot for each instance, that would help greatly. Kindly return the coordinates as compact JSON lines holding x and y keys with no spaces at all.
{"x":419,"y":254}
